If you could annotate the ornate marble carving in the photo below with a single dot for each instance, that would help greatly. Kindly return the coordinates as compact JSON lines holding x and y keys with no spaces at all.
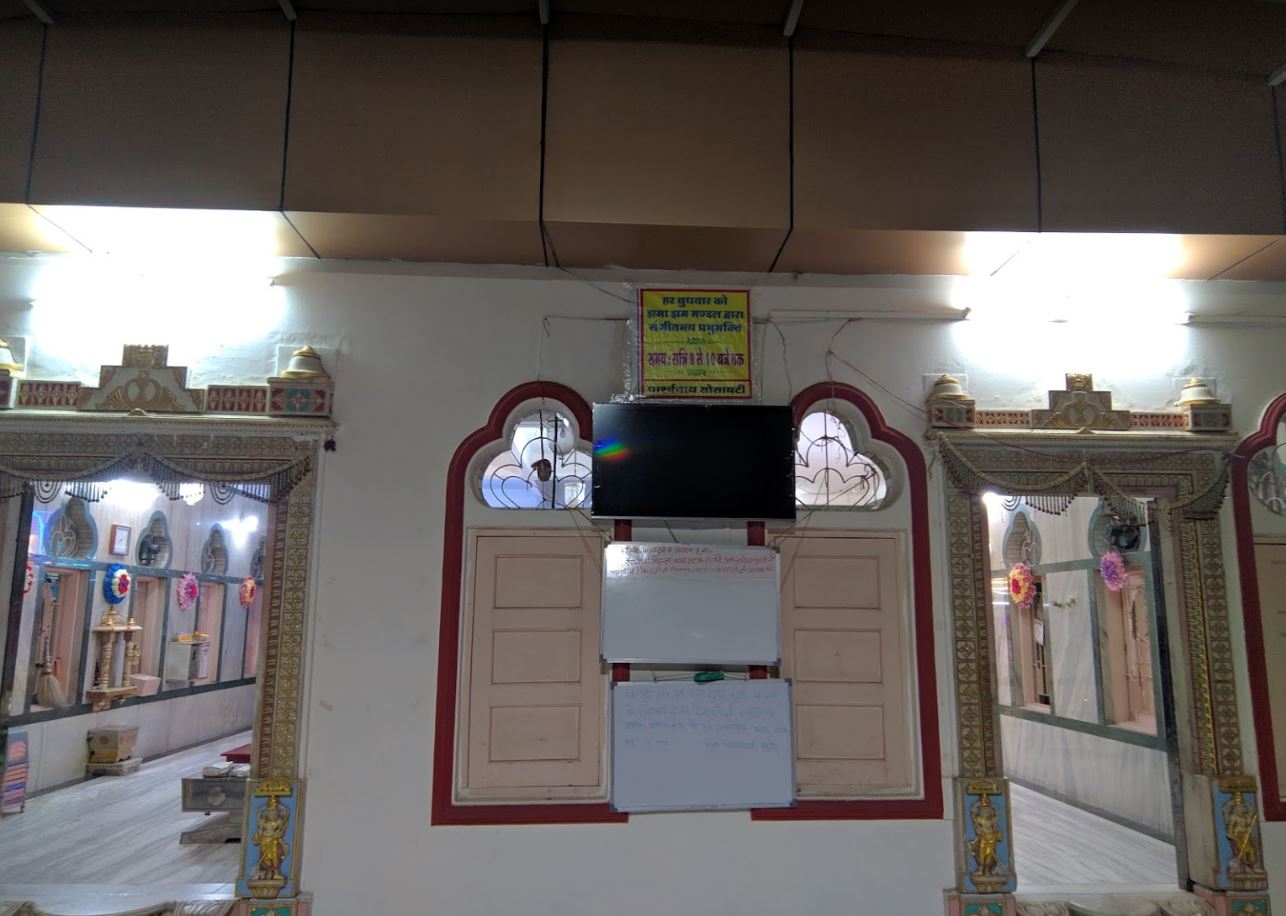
{"x":1078,"y":408}
{"x":144,"y":381}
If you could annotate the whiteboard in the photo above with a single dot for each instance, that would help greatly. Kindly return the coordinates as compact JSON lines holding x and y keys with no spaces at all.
{"x":691,"y":604}
{"x":679,"y":745}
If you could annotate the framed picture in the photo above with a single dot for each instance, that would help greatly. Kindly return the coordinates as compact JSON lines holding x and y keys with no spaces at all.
{"x":120,"y":540}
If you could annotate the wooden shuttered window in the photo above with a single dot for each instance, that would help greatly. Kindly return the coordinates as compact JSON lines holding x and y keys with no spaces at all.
{"x":845,"y":646}
{"x":532,"y":689}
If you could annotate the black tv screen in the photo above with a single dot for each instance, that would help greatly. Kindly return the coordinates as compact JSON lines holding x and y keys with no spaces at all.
{"x":693,"y":461}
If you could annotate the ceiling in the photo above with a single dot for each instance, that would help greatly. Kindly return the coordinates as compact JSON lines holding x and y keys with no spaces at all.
{"x":1245,"y":36}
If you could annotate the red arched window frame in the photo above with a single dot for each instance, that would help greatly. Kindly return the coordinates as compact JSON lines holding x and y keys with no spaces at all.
{"x":1252,"y":611}
{"x":929,"y":807}
{"x":444,"y":810}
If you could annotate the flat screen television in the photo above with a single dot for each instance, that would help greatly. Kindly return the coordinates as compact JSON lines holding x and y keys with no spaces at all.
{"x":685,"y":461}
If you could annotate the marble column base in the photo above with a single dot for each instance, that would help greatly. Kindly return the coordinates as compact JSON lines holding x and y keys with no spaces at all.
{"x":1235,"y":903}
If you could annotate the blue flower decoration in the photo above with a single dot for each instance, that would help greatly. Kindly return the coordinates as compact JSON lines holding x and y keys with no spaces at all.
{"x":116,"y":583}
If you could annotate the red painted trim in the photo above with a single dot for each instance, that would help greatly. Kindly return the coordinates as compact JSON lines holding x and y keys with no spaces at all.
{"x":930,"y":806}
{"x":1252,"y":611}
{"x":757,"y":536}
{"x":750,"y":340}
{"x":444,"y":810}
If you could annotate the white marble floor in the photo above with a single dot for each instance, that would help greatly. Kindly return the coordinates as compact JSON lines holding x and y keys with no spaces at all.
{"x":118,"y":831}
{"x":1058,"y":845}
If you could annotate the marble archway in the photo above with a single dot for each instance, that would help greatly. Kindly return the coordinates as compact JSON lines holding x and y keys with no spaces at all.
{"x":1081,"y":445}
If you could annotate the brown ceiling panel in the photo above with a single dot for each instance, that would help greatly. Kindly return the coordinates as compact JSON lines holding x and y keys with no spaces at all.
{"x":62,"y":8}
{"x":361,"y":236}
{"x":665,"y":132}
{"x":164,"y":111}
{"x":15,"y":9}
{"x":663,"y":247}
{"x":1136,"y":147}
{"x":837,"y":251}
{"x":900,"y":142}
{"x":20,"y":51}
{"x":758,"y":12}
{"x":525,"y":8}
{"x":1268,"y":263}
{"x":22,"y":229}
{"x":1243,"y":35}
{"x":1205,"y":257}
{"x":997,"y":22}
{"x":394,"y":115}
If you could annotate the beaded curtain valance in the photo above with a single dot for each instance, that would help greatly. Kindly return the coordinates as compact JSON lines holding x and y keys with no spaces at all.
{"x":263,"y":468}
{"x":1049,"y":474}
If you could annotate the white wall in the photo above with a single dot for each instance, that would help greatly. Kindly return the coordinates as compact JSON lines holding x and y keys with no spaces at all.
{"x":421,"y":360}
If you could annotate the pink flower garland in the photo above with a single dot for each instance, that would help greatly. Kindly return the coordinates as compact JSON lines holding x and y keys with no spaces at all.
{"x":188,"y":591}
{"x":1022,"y":585}
{"x":1112,"y":568}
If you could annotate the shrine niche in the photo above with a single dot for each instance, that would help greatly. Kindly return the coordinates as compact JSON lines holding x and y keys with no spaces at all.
{"x":1165,"y":472}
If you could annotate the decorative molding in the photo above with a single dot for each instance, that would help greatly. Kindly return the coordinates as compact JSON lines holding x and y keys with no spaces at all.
{"x":146,"y":382}
{"x":977,"y":712}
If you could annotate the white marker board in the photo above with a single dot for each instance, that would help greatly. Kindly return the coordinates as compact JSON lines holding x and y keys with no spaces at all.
{"x":679,"y":745}
{"x":691,"y":604}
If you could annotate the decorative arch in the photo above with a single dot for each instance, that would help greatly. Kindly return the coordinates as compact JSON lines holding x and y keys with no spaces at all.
{"x":71,"y":533}
{"x":1022,"y":540}
{"x":214,"y":553}
{"x":1252,"y":609}
{"x":917,"y":488}
{"x":443,"y":811}
{"x":154,"y":546}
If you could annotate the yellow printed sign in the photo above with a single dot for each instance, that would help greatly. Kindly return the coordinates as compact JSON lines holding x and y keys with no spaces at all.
{"x":694,"y":343}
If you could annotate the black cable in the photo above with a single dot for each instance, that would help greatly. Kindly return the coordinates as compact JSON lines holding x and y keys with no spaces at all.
{"x":790,"y":146}
{"x":285,"y":140}
{"x":1281,"y":169}
{"x":546,"y":243}
{"x":1035,"y":123}
{"x":35,"y":121}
